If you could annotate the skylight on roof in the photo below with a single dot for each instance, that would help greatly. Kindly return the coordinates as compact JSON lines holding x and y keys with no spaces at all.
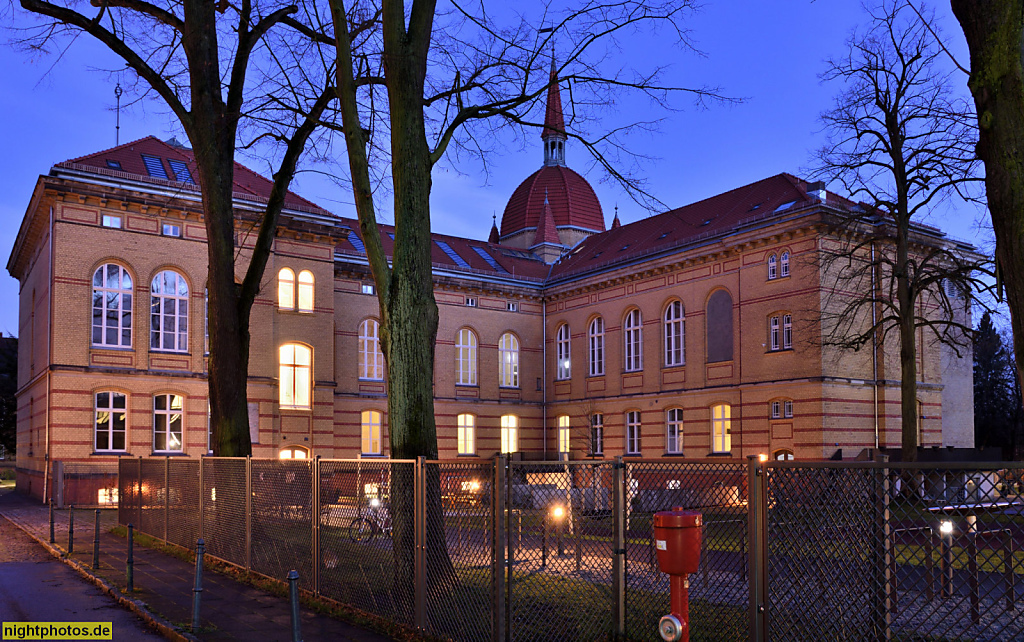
{"x":663,"y":235}
{"x":785,"y":206}
{"x":392,"y":235}
{"x":459,"y":261}
{"x":113,"y":164}
{"x":180,"y":169}
{"x":490,"y":259}
{"x":624,"y":247}
{"x":356,"y":242}
{"x":154,"y":167}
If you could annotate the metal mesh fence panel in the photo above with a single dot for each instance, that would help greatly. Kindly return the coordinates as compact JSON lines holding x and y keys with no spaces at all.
{"x":366,"y":536}
{"x":281,"y":518}
{"x":153,"y":498}
{"x":183,"y":508}
{"x":719,"y":591}
{"x":459,"y":523}
{"x":559,"y":535}
{"x":127,"y":487}
{"x":224,"y":523}
{"x":901,"y":552}
{"x":89,"y":485}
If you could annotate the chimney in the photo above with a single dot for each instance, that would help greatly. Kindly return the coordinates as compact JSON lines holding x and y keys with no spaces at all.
{"x":816,"y":190}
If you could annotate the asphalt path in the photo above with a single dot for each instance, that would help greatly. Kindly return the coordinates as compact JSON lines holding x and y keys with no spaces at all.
{"x":34,"y":587}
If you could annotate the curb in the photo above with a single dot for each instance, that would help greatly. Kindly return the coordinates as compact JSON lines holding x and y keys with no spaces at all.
{"x":137,"y":607}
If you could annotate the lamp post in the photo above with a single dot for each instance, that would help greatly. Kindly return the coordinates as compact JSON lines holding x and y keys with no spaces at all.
{"x":946,"y":532}
{"x":558,"y":513}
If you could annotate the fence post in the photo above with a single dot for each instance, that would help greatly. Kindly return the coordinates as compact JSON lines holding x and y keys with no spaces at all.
{"x":167,"y":495}
{"x":58,"y":483}
{"x":757,"y":554}
{"x":293,"y":599}
{"x":197,"y":590}
{"x":129,"y":568}
{"x":883,"y":553}
{"x":96,"y":542}
{"x":1008,"y":564}
{"x":498,"y":534}
{"x":618,"y":548}
{"x":315,"y":499}
{"x":972,"y":568}
{"x":202,"y":499}
{"x":52,"y":539}
{"x":138,"y":494}
{"x":420,"y":535}
{"x":71,"y":530}
{"x":248,"y":513}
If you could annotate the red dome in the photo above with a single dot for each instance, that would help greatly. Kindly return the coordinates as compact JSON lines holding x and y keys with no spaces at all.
{"x":570,"y":196}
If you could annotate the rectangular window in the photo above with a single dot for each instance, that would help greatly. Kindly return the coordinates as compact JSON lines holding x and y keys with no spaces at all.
{"x":788,"y":409}
{"x":721,"y":428}
{"x":470,"y":301}
{"x":563,"y":434}
{"x":633,"y":432}
{"x":596,"y":445}
{"x":467,"y":434}
{"x":110,"y":421}
{"x":773,"y":333}
{"x":787,"y":331}
{"x":564,"y":366}
{"x":674,"y":431}
{"x":509,"y":433}
{"x":368,"y":288}
{"x":776,"y":410}
{"x":170,"y":229}
{"x":113,"y":164}
{"x":112,"y":221}
{"x":371,"y":431}
{"x":167,"y":423}
{"x":154,"y":167}
{"x":512,"y":306}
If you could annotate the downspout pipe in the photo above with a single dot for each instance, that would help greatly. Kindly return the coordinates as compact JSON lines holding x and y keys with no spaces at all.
{"x":874,"y":342}
{"x":47,"y":459}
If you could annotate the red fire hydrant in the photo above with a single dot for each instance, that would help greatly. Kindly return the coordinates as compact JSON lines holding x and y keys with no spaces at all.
{"x":677,"y":539}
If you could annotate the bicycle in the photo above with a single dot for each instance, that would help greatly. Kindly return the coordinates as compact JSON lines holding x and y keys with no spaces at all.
{"x":365,"y":527}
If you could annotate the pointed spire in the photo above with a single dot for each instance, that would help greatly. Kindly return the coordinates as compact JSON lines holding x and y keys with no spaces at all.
{"x":493,"y":236}
{"x":546,"y":230}
{"x":615,"y":221}
{"x":553,"y":134}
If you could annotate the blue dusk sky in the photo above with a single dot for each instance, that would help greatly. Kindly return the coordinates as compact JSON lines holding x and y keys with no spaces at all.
{"x":770,"y":54}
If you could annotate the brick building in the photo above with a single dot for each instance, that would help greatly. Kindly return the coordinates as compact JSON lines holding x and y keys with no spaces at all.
{"x":692,"y":333}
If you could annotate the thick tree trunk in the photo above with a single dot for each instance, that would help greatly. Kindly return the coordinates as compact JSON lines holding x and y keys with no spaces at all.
{"x":994,"y":30}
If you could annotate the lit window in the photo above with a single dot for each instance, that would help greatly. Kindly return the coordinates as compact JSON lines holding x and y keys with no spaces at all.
{"x":563,"y":433}
{"x":170,"y":229}
{"x":112,"y":221}
{"x":465,"y":358}
{"x":508,"y":361}
{"x":305,"y":291}
{"x":293,"y":452}
{"x":596,"y":347}
{"x":112,"y":306}
{"x":169,"y":312}
{"x":772,"y":266}
{"x":296,"y":361}
{"x":371,"y":432}
{"x":634,"y":341}
{"x":563,"y":369}
{"x":286,"y":289}
{"x":467,"y":434}
{"x":367,"y":288}
{"x":787,"y":331}
{"x":509,"y":433}
{"x":167,"y":423}
{"x":371,"y":359}
{"x":110,"y":421}
{"x":633,"y":432}
{"x":596,"y":445}
{"x":674,"y":432}
{"x":773,"y":333}
{"x":675,"y":354}
{"x":784,"y":264}
{"x":721,"y":428}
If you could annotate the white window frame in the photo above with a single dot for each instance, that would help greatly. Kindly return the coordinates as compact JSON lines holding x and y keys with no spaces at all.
{"x":773,"y":333}
{"x":367,"y":288}
{"x":563,"y":362}
{"x":776,"y":409}
{"x":509,"y":433}
{"x":721,"y":428}
{"x":787,"y":331}
{"x":508,"y":361}
{"x":512,"y":306}
{"x":633,"y":338}
{"x":170,"y":229}
{"x":674,"y":431}
{"x":466,"y":437}
{"x":371,"y":433}
{"x":787,"y":409}
{"x":305,"y":293}
{"x":772,"y":265}
{"x":465,"y":357}
{"x":675,"y":349}
{"x":168,"y":412}
{"x":110,"y":221}
{"x":371,"y":359}
{"x":123,"y":293}
{"x":159,"y":302}
{"x":470,"y":301}
{"x":295,"y":370}
{"x":286,"y":289}
{"x":784,"y":265}
{"x":563,"y":433}
{"x":596,"y":347}
{"x":107,"y":423}
{"x":633,"y":430}
{"x":596,"y":434}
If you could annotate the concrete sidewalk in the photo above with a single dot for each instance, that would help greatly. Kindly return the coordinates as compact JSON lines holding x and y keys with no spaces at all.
{"x":230,"y":610}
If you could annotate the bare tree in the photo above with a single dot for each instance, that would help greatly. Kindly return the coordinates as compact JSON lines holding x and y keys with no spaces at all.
{"x":901,"y":143}
{"x":178,"y":51}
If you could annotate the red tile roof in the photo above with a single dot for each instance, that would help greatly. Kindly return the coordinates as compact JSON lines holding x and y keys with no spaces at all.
{"x":546,"y":232}
{"x":572,"y":200}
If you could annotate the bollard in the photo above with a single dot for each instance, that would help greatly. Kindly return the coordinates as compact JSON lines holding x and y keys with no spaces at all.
{"x":946,"y":559}
{"x":96,"y":542}
{"x":972,"y":569}
{"x":293,"y":595}
{"x":1008,"y":568}
{"x":579,"y":550}
{"x":130,"y":566}
{"x":71,"y":529}
{"x":197,"y":591}
{"x":544,"y":541}
{"x":52,"y":538}
{"x":559,"y":527}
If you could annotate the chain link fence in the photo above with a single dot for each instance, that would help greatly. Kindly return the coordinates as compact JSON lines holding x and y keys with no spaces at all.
{"x":499,"y":550}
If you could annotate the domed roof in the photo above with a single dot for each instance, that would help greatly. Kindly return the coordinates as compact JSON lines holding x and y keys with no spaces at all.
{"x":570,"y":196}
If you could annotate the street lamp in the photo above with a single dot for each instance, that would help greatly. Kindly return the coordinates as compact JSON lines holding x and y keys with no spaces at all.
{"x":558,"y":512}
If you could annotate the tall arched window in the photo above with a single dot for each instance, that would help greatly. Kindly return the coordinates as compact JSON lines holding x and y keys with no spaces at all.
{"x":509,"y":433}
{"x":112,"y":306}
{"x":167,"y":422}
{"x":371,"y":359}
{"x":632,"y":334}
{"x":563,"y":369}
{"x":563,"y":433}
{"x":772,"y":266}
{"x":467,"y":434}
{"x":633,"y":432}
{"x":596,"y":347}
{"x":371,"y":432}
{"x":718,"y":322}
{"x":721,"y":428}
{"x":675,"y":353}
{"x":674,"y":430}
{"x":110,"y":421}
{"x":508,"y":361}
{"x":286,"y":289}
{"x":465,"y":358}
{"x":169,"y":312}
{"x":305,"y":291}
{"x":784,"y":264}
{"x":296,"y":369}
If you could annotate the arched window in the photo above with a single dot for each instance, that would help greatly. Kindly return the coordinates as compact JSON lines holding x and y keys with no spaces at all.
{"x":596,"y":445}
{"x":782,"y":409}
{"x":780,"y":332}
{"x":169,"y":312}
{"x":721,"y":428}
{"x":508,"y":361}
{"x":563,"y":433}
{"x":286,"y":289}
{"x":294,"y":452}
{"x":305,"y":291}
{"x":509,"y":433}
{"x":371,"y":359}
{"x":465,"y":358}
{"x":674,"y":430}
{"x":371,"y":432}
{"x":112,"y":306}
{"x":719,"y":327}
{"x":783,"y":454}
{"x":773,"y":333}
{"x":633,"y":337}
{"x":110,"y":421}
{"x":675,"y":353}
{"x":784,"y":264}
{"x":564,"y":365}
{"x":787,"y":331}
{"x":772,"y":265}
{"x":296,"y":369}
{"x":633,"y":432}
{"x":167,"y":423}
{"x":596,"y":348}
{"x":467,"y":434}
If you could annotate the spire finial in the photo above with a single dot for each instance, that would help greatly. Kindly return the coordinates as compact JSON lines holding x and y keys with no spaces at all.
{"x":117,"y":118}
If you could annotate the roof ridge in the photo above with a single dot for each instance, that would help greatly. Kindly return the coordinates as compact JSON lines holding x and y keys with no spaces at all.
{"x":115,"y":148}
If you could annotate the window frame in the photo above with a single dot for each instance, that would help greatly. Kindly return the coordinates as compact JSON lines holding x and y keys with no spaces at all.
{"x":370,"y":355}
{"x":120,"y":292}
{"x":466,"y":357}
{"x":721,"y":428}
{"x":286,"y":289}
{"x":171,"y":230}
{"x":111,"y":221}
{"x":110,"y":430}
{"x":674,"y":431}
{"x":773,"y":333}
{"x":633,"y":432}
{"x":596,"y":445}
{"x":168,"y":412}
{"x":509,"y":434}
{"x":508,"y":360}
{"x":371,"y":432}
{"x":784,"y":265}
{"x":595,"y":347}
{"x":465,"y":438}
{"x":787,"y":331}
{"x":772,"y":263}
{"x":633,"y":341}
{"x":293,"y":378}
{"x":674,"y":334}
{"x":563,"y":423}
{"x":157,"y":331}
{"x":305,"y":292}
{"x":563,"y":352}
